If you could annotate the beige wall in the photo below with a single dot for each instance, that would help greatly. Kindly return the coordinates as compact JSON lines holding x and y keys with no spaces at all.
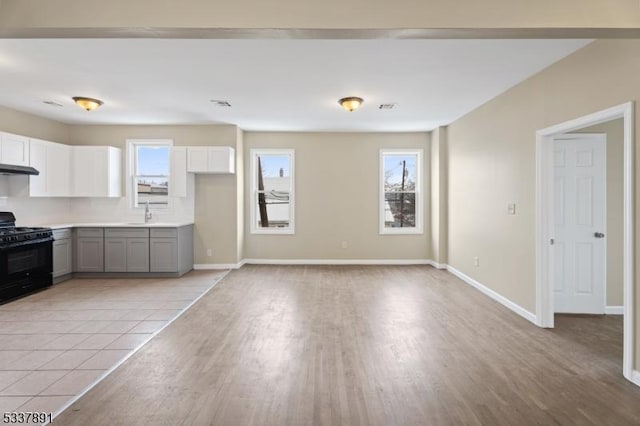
{"x":614,"y":130}
{"x":492,"y":163}
{"x":320,"y":14}
{"x":439,"y":195}
{"x":336,"y":184}
{"x":216,"y":207}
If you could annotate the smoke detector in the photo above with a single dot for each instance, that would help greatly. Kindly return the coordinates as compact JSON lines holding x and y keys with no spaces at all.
{"x":224,"y":104}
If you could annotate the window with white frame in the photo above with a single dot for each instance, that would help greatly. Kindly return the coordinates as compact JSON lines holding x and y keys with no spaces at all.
{"x":401,"y":191}
{"x":272,"y":191}
{"x":150,"y":162}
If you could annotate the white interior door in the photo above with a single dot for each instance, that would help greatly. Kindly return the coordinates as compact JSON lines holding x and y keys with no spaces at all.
{"x":580,"y":218}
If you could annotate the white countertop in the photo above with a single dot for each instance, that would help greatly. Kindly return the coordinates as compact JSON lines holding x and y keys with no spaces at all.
{"x":117,"y":225}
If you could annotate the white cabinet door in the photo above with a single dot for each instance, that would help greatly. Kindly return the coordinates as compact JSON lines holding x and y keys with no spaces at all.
{"x":210,"y":159}
{"x":96,"y":171}
{"x":197,"y":159}
{"x":14,"y":149}
{"x":221,"y":159}
{"x":53,"y":161}
{"x":58,"y":170}
{"x":38,"y":183}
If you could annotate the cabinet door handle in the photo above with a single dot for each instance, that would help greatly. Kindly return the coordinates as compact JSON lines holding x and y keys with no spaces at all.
{"x":598,"y":235}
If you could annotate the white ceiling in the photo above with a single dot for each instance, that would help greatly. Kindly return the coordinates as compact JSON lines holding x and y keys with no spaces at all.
{"x":289,"y":85}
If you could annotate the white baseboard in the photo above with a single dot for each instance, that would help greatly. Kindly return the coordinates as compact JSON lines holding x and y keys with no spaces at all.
{"x":337,"y":261}
{"x":437,"y":265}
{"x":635,"y":377}
{"x":495,"y":296}
{"x":614,"y":310}
{"x":207,"y":266}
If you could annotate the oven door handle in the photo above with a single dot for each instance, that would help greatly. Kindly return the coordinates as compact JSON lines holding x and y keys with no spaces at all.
{"x":27,"y":243}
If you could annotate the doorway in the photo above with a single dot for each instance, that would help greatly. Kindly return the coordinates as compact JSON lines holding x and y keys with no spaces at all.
{"x":547,"y":216}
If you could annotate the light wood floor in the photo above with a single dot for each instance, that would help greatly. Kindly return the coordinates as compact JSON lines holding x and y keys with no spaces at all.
{"x":347,"y":345}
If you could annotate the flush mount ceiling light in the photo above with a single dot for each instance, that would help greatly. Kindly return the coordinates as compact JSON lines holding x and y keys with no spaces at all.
{"x":351,"y":103}
{"x":87,"y":103}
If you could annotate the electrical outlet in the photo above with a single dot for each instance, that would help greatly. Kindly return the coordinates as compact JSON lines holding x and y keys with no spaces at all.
{"x":476,"y":261}
{"x":511,"y":208}
{"x":344,"y":244}
{"x":209,"y":252}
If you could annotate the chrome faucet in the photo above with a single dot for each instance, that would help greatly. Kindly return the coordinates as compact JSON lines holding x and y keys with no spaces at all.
{"x":147,"y":213}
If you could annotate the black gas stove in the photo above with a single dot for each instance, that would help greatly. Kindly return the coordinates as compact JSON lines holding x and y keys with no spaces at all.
{"x":26,"y":260}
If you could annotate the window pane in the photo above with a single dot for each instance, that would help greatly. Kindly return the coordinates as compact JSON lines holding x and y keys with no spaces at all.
{"x":273,"y":209}
{"x":152,"y":160}
{"x":397,"y":166}
{"x":276,"y":172}
{"x":153,"y":190}
{"x":399,"y":210}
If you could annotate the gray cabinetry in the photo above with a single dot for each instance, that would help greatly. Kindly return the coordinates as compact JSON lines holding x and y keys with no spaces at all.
{"x":171,"y":249}
{"x":62,"y":254}
{"x":126,"y":250}
{"x":89,"y":249}
{"x":164,"y":254}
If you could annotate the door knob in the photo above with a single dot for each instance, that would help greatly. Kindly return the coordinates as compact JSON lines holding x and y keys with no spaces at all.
{"x":598,"y":235}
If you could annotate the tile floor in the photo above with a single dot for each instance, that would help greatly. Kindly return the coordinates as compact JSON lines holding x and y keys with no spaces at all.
{"x":57,"y":343}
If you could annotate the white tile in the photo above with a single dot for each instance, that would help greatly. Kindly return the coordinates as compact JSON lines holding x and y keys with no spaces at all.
{"x":68,"y":360}
{"x":97,"y":341}
{"x":148,"y":327}
{"x":25,"y":341}
{"x":73,"y":383}
{"x":66,"y":341}
{"x":9,"y":404}
{"x":33,"y":360}
{"x":8,"y":357}
{"x":33,"y":383}
{"x":104,"y":360}
{"x":128,"y":341}
{"x":91,"y":327}
{"x":119,"y":327}
{"x":10,"y":377}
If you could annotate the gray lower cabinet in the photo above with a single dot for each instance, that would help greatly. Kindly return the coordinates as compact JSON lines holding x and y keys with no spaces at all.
{"x":132,"y":250}
{"x":62,"y":253}
{"x":164,"y":254}
{"x":126,"y":250}
{"x":89,"y":249}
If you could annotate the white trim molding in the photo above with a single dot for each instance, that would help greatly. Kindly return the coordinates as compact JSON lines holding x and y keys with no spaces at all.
{"x":545,"y":224}
{"x":437,"y":265}
{"x":337,"y":261}
{"x":614,"y":310}
{"x":210,"y":266}
{"x":494,"y":295}
{"x":635,"y":377}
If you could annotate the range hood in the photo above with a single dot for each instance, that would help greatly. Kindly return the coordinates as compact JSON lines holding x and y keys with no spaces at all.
{"x":10,"y":169}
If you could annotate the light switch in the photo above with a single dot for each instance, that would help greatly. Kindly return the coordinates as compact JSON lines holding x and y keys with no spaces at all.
{"x":511,"y":208}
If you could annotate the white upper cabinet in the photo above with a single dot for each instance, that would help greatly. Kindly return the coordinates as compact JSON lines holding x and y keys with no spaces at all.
{"x":210,"y":159}
{"x":96,"y":171}
{"x":53,"y":161}
{"x":14,"y":149}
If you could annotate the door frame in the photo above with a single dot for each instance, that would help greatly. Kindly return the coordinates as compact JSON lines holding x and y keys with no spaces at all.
{"x":599,"y":137}
{"x":545,"y":220}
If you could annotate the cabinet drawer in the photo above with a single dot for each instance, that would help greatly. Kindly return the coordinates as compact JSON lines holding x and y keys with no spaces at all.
{"x":164,"y":233}
{"x":62,"y":234}
{"x":90,"y":232}
{"x":126,"y":233}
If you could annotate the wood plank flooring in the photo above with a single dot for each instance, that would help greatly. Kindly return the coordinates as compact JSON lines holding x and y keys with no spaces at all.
{"x":370,"y":345}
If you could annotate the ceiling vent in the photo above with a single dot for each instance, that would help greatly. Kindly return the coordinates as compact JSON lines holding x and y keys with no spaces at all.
{"x":224,"y":104}
{"x":55,"y":104}
{"x":387,"y":106}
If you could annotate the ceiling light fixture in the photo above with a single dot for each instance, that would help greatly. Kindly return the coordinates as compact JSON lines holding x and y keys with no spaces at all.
{"x":87,"y":103}
{"x":351,"y":103}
